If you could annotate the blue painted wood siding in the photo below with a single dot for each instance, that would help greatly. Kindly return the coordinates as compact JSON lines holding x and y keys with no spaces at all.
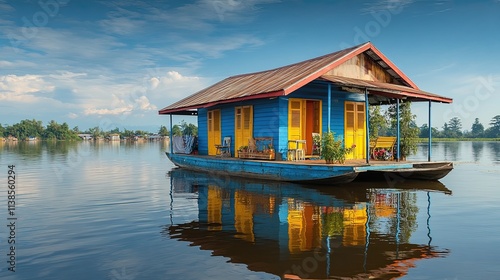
{"x":266,"y":120}
{"x":270,"y":116}
{"x":319,"y":91}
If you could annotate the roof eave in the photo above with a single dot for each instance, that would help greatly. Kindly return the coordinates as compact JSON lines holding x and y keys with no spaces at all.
{"x":173,"y":111}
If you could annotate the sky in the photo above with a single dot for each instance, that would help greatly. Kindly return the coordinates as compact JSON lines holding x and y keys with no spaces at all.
{"x":114,"y":64}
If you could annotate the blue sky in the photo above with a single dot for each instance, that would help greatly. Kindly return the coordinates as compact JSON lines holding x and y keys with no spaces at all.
{"x":116,"y":63}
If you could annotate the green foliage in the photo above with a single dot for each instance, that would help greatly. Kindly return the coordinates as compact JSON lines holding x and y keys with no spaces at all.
{"x":494,"y":130}
{"x":333,"y":151}
{"x":163,"y":131}
{"x":176,"y":130}
{"x":378,"y":123}
{"x":409,"y":131}
{"x":184,"y":129}
{"x":55,"y":131}
{"x":26,"y":129}
{"x":477,"y":129}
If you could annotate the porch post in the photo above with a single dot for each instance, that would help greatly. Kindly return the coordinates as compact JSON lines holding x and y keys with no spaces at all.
{"x":171,"y":137}
{"x":429,"y":152}
{"x":329,"y":104}
{"x":397,"y":133}
{"x":367,"y":116}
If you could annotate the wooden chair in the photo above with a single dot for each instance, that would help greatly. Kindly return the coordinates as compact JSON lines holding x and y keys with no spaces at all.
{"x":382,"y":142}
{"x":224,"y":149}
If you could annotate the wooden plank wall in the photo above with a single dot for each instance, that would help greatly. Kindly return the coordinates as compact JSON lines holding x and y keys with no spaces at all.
{"x":271,"y":115}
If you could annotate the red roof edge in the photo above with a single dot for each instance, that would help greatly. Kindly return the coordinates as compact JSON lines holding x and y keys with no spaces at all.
{"x":360,"y":49}
{"x":393,"y":66}
{"x":210,"y":104}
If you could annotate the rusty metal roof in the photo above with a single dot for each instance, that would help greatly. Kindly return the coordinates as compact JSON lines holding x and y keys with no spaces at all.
{"x":281,"y":81}
{"x":385,"y":89}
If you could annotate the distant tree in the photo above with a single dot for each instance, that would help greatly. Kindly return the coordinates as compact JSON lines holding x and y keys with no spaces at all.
{"x":96,"y":132}
{"x":424,"y":131}
{"x":26,"y":128}
{"x":494,"y":130}
{"x":477,"y":129}
{"x":76,"y":129}
{"x":454,"y":128}
{"x":378,"y":123}
{"x":163,"y":131}
{"x":141,"y":133}
{"x":115,"y":130}
{"x":57,"y":131}
{"x":127,"y":134}
{"x":2,"y":131}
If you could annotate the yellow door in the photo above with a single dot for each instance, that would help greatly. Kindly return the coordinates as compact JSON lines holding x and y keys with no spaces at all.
{"x":354,"y":126}
{"x":243,"y":126}
{"x":214,"y":134}
{"x":296,"y":110}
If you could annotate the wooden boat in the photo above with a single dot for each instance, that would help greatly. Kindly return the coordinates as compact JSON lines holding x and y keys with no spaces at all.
{"x":268,"y":170}
{"x":310,"y":171}
{"x":418,"y":171}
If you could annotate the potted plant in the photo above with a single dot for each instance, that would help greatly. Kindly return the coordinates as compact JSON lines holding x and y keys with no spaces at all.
{"x":334,"y":151}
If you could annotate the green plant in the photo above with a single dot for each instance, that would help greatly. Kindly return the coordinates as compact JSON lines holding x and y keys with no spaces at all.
{"x":243,"y":149}
{"x":334,"y":151}
{"x":408,"y":129}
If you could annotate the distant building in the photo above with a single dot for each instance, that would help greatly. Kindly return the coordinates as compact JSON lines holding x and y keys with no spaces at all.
{"x":114,"y":137}
{"x":85,"y":136}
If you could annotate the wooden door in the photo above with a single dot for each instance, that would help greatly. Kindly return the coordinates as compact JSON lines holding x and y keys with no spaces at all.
{"x":243,"y":126}
{"x":354,"y":129}
{"x":296,"y":110}
{"x":214,"y":131}
{"x":312,"y":122}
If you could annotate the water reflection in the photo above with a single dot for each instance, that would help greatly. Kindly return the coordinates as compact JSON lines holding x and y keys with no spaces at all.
{"x":451,"y":150}
{"x":361,"y":230}
{"x":494,"y":148}
{"x":477,"y":150}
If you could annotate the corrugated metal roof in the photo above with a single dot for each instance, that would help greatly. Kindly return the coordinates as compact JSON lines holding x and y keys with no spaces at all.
{"x":386,"y":89}
{"x":279,"y":81}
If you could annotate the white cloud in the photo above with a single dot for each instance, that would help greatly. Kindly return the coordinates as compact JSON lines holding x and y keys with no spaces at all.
{"x":23,"y":88}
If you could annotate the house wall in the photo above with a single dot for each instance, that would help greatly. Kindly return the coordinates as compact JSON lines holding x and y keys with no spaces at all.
{"x":270,"y":116}
{"x":364,"y":68}
{"x":319,"y":91}
{"x":265,"y":122}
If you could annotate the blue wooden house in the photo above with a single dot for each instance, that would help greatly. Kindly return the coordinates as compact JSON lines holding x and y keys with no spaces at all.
{"x":294,"y":102}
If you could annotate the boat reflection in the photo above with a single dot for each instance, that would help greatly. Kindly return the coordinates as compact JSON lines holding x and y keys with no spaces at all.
{"x":359,"y":231}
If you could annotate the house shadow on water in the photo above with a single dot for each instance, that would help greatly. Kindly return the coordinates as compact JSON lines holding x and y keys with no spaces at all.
{"x":362,"y":230}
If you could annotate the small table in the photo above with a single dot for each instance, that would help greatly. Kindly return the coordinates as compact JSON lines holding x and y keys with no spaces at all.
{"x":297,"y":153}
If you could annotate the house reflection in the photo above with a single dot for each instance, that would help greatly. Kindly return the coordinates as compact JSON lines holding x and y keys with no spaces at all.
{"x":308,"y":232}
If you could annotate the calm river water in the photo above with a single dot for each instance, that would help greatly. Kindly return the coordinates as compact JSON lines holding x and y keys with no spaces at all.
{"x":114,"y":211}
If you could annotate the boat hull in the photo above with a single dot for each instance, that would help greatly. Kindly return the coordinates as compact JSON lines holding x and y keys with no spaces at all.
{"x":267,"y":170}
{"x":419,"y":171}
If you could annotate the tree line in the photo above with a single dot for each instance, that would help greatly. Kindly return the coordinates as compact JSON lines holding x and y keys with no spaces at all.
{"x":383,"y":123}
{"x":26,"y":129}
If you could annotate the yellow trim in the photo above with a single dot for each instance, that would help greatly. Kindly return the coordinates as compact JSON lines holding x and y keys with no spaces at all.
{"x":355,"y":135}
{"x":213,"y":130}
{"x":242,"y":134}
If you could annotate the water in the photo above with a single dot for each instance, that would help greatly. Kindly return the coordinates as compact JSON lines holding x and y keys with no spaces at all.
{"x":113,"y":211}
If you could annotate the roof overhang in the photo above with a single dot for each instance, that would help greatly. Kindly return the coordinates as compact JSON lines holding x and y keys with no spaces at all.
{"x":187,"y":110}
{"x":384,"y":93}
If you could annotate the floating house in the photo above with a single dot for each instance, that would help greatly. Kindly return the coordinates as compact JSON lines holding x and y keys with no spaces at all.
{"x":282,"y":109}
{"x":114,"y":137}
